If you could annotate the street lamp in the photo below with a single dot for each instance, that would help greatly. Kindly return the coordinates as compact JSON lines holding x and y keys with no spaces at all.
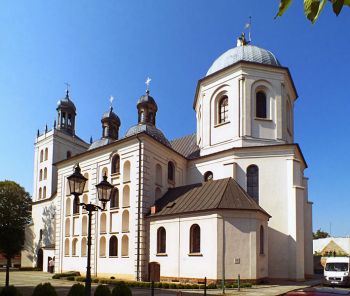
{"x":104,"y":189}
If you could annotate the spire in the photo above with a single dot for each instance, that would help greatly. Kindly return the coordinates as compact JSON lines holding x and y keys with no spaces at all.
{"x":54,"y":123}
{"x":45,"y":128}
{"x":38,"y":133}
{"x":91,"y":140}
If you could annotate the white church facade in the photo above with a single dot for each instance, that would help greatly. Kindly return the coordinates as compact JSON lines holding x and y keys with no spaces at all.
{"x":229,"y":199}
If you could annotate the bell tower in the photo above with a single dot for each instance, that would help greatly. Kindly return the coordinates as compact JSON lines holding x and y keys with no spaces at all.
{"x":66,"y":113}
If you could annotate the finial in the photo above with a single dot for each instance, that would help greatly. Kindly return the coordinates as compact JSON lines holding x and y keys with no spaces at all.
{"x":45,"y":128}
{"x":54,"y":124}
{"x":91,"y":140}
{"x":148,"y":81}
{"x":38,"y":133}
{"x":248,"y":26}
{"x":111,"y":99}
{"x":67,"y":89}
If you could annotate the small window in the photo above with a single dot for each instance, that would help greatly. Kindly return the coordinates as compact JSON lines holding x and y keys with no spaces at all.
{"x":115,"y":198}
{"x":223,"y":110}
{"x":66,"y":247}
{"x":208,"y":176}
{"x":261,"y":240}
{"x":84,"y":226}
{"x":46,"y":153}
{"x":171,"y":171}
{"x":126,"y":171}
{"x":102,"y":247}
{"x":125,"y":221}
{"x":161,"y":240}
{"x":103,"y":223}
{"x":116,"y":164}
{"x":40,"y":193}
{"x":44,"y":192}
{"x":45,"y":173}
{"x":40,"y":175}
{"x":125,"y":246}
{"x":74,"y":247}
{"x":113,"y":246}
{"x":83,"y":247}
{"x":69,"y":154}
{"x":261,"y":105}
{"x":195,"y":239}
{"x":253,"y":182}
{"x":41,"y":156}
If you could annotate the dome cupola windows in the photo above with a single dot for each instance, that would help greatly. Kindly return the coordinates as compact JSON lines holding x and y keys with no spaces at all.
{"x":66,"y":113}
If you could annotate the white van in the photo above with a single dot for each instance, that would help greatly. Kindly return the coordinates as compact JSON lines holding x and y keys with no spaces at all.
{"x":336,"y":271}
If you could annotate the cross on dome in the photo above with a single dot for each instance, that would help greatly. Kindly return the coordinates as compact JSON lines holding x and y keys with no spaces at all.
{"x":147,"y":82}
{"x":111,"y":99}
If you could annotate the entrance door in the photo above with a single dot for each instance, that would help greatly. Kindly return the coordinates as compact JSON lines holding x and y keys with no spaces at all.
{"x":154,"y":271}
{"x":40,"y":259}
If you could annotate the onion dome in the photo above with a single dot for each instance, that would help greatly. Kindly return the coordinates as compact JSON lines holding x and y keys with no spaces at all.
{"x":150,"y":130}
{"x":111,"y":116}
{"x":66,"y":103}
{"x":248,"y":53}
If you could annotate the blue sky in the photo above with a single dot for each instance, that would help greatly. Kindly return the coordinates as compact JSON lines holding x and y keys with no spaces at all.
{"x":105,"y":48}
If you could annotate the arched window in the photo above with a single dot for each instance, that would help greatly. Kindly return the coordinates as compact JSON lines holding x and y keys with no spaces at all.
{"x":223,"y":110}
{"x":158,"y":193}
{"x":125,"y":221}
{"x":46,"y":154}
{"x":68,"y":206}
{"x":116,"y":164}
{"x":44,"y":192}
{"x":85,"y":201}
{"x":84,"y":225}
{"x":126,"y":171}
{"x":253,"y":182}
{"x":260,"y":105}
{"x":86,"y":187}
{"x":41,"y":156}
{"x":74,"y":247}
{"x":83,"y":247}
{"x":69,"y":154}
{"x":76,"y":206}
{"x":113,"y":246}
{"x":262,"y":239}
{"x":67,"y":227}
{"x":126,"y":196}
{"x":40,"y":193}
{"x":66,"y":247}
{"x":195,"y":239}
{"x":40,"y":175}
{"x":45,"y":173}
{"x":125,"y":246}
{"x":158,"y":174}
{"x":171,"y":171}
{"x":208,"y":176}
{"x":103,"y":223}
{"x":161,"y":240}
{"x":102,"y":246}
{"x":115,"y":198}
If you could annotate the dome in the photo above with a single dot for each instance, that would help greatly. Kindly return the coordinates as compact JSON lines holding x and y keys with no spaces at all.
{"x":66,"y":103}
{"x":249,"y":53}
{"x":151,"y":130}
{"x":147,"y":99}
{"x":100,"y":143}
{"x":111,"y":116}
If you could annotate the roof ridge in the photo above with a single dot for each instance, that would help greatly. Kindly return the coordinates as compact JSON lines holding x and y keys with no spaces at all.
{"x":194,"y":133}
{"x":224,"y":191}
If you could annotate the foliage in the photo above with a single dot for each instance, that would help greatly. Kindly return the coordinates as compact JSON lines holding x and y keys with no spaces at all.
{"x":66,"y":274}
{"x":44,"y":290}
{"x":320,"y":234}
{"x":313,"y":8}
{"x":76,"y":290}
{"x":10,"y":291}
{"x":121,"y":289}
{"x":15,"y":214}
{"x":102,"y":290}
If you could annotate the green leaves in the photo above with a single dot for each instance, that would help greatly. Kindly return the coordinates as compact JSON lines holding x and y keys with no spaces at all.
{"x":313,"y":8}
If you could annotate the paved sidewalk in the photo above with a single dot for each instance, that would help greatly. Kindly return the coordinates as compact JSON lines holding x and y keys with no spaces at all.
{"x":27,"y":280}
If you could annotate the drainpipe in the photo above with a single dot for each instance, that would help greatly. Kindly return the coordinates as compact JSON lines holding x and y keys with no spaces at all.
{"x":138,"y":215}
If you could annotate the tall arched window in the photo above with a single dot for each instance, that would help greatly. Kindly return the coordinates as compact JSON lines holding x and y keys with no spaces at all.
{"x":41,"y":156}
{"x":253,"y":182}
{"x":262,"y":239}
{"x":103,"y":223}
{"x":125,"y":246}
{"x":115,"y":198}
{"x":260,"y":105}
{"x":113,"y":246}
{"x":67,"y":224}
{"x":68,"y":205}
{"x":158,"y":174}
{"x":86,"y":187}
{"x":102,"y":246}
{"x":171,"y":171}
{"x":74,"y":247}
{"x":45,"y":173}
{"x":40,"y":193}
{"x":84,"y":225}
{"x":40,"y":175}
{"x":44,"y":192}
{"x":126,"y":171}
{"x":85,"y":201}
{"x":66,"y":247}
{"x":195,"y":239}
{"x":125,"y":221}
{"x":83,"y":246}
{"x":208,"y":176}
{"x":126,"y":196}
{"x":161,"y":240}
{"x":116,"y":164}
{"x":223,"y":110}
{"x":46,"y":153}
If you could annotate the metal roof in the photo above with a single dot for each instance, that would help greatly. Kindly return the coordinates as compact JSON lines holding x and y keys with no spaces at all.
{"x":212,"y":195}
{"x":186,"y":146}
{"x":149,"y":129}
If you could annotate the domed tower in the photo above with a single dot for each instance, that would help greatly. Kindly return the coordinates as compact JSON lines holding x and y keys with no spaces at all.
{"x":245,"y":99}
{"x":66,"y":113}
{"x":110,"y":125}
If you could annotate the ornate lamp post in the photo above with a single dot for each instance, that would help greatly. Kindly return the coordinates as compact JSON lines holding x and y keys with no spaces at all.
{"x":104,"y":189}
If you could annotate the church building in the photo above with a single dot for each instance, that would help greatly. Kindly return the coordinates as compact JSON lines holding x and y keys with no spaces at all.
{"x":230,"y":199}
